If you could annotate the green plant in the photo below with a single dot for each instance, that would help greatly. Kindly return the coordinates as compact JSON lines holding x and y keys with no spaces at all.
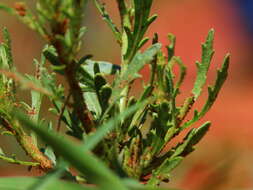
{"x":118,"y":145}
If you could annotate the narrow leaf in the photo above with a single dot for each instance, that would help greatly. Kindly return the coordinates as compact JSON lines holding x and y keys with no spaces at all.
{"x":213,"y":91}
{"x":191,"y":139}
{"x":108,"y":20}
{"x":96,"y":173}
{"x":171,"y":47}
{"x":203,"y":66}
{"x":162,"y":173}
{"x":105,"y":67}
{"x":92,"y":103}
{"x":23,"y":183}
{"x":7,"y":41}
{"x":94,"y":139}
{"x":139,"y":61}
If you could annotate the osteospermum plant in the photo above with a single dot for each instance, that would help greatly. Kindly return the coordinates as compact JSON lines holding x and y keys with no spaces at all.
{"x":121,"y":139}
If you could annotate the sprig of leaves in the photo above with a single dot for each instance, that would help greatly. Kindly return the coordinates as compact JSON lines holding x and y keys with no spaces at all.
{"x":123,"y":136}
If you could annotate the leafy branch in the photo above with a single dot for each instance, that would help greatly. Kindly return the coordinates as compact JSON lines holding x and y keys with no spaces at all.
{"x":125,"y":137}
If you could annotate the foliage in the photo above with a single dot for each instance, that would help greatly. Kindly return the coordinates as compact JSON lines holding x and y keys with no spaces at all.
{"x":118,"y":145}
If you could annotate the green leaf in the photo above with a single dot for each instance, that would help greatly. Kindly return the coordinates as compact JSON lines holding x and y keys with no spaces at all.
{"x":36,"y":103}
{"x":140,"y":115}
{"x":92,"y":103}
{"x":7,"y":9}
{"x":35,"y":95}
{"x":51,"y":54}
{"x":49,"y":179}
{"x":141,"y":24}
{"x":139,"y":61}
{"x":50,"y":154}
{"x":13,"y":160}
{"x":203,"y":66}
{"x":127,"y":40}
{"x":7,"y":42}
{"x":213,"y":91}
{"x":182,"y":70}
{"x":7,"y":133}
{"x":99,"y":81}
{"x":96,"y":173}
{"x":191,"y":139}
{"x":104,"y":67}
{"x":86,"y":80}
{"x":171,"y":47}
{"x":147,"y":92}
{"x":125,"y":20}
{"x":108,"y":20}
{"x":2,"y":152}
{"x":69,"y":38}
{"x":96,"y":69}
{"x":104,"y":96}
{"x":81,"y":33}
{"x":143,"y":42}
{"x":4,"y":61}
{"x":26,"y":17}
{"x":24,"y":183}
{"x":27,"y":84}
{"x":157,"y":142}
{"x":94,"y":139}
{"x":44,"y":11}
{"x":169,"y":87}
{"x":198,"y":134}
{"x":185,"y":108}
{"x":162,"y":173}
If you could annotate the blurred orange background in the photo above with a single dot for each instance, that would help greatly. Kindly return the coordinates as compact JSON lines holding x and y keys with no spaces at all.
{"x":223,"y":160}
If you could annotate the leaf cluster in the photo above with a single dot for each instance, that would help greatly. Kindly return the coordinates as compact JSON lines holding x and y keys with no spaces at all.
{"x":122,"y":139}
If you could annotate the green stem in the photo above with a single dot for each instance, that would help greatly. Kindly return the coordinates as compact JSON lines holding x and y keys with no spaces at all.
{"x":19,"y":162}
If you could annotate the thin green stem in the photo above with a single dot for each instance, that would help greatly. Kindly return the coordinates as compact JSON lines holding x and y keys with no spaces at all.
{"x":19,"y":162}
